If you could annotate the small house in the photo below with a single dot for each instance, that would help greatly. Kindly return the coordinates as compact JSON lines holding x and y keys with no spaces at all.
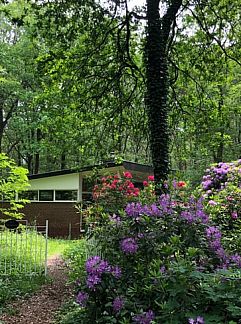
{"x":54,"y":195}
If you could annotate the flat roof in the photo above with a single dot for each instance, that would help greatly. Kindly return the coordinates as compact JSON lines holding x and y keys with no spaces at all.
{"x":128,"y":165}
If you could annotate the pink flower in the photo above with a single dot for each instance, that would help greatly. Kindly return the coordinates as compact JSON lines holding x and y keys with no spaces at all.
{"x":234,"y":215}
{"x":131,"y":185}
{"x":136,"y":192}
{"x":145,"y":183}
{"x":127,"y":175}
{"x":151,"y":177}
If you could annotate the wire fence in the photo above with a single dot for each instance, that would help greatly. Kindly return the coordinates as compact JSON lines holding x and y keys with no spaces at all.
{"x":93,"y":248}
{"x":23,"y":249}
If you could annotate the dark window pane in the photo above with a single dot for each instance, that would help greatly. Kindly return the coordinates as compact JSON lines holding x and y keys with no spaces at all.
{"x":46,"y":195}
{"x":66,"y":195}
{"x":30,"y":195}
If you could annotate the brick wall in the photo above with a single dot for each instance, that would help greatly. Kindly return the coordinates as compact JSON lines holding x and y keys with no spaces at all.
{"x":61,"y":216}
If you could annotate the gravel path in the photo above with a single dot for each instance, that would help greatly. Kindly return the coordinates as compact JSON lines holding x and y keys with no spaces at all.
{"x":40,"y":307}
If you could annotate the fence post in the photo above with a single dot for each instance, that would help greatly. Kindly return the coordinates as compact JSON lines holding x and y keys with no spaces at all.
{"x":46,"y":247}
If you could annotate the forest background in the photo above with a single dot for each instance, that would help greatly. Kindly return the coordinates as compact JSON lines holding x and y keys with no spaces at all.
{"x":74,"y":80}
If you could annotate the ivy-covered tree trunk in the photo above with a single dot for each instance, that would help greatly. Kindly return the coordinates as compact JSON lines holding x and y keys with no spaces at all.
{"x":1,"y":128}
{"x":158,"y":32}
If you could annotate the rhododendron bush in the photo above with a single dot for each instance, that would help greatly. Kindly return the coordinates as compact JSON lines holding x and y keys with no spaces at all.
{"x":221,"y":188}
{"x":161,"y":260}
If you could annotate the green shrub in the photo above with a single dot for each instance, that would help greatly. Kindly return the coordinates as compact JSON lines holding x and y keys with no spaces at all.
{"x":13,"y":180}
{"x":75,"y":256}
{"x":221,"y":188}
{"x":162,"y":262}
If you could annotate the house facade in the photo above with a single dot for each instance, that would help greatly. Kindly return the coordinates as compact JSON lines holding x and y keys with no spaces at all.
{"x":55,"y":195}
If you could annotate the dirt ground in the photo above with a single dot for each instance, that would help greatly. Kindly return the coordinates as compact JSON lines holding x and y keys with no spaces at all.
{"x":40,"y":307}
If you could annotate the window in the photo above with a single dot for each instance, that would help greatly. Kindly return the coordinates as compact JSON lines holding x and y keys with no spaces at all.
{"x":30,"y":195}
{"x":66,"y":195}
{"x":46,"y":195}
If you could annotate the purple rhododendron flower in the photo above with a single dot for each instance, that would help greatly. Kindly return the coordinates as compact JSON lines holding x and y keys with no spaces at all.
{"x":145,"y":318}
{"x":82,"y":298}
{"x":212,"y":203}
{"x":135,"y":210}
{"x":166,"y":204}
{"x":95,"y":265}
{"x":234,"y":215}
{"x":118,"y":304}
{"x":92,"y":280}
{"x":194,"y":211}
{"x":115,"y":219}
{"x":116,"y":272}
{"x":163,"y":269}
{"x":236,"y":258}
{"x":129,"y":245}
{"x":213,"y":232}
{"x":198,"y":320}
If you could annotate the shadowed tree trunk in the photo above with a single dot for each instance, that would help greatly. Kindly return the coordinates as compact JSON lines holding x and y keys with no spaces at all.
{"x":37,"y":155}
{"x":156,"y":54}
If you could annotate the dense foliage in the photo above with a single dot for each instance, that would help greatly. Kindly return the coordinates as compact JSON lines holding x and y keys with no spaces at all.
{"x":73,"y":84}
{"x":165,"y":261}
{"x":13,"y":181}
{"x":222,"y":192}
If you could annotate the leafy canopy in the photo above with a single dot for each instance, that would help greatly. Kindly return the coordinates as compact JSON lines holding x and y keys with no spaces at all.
{"x":13,"y":180}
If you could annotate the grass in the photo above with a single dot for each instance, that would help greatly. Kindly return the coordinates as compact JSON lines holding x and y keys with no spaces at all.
{"x":18,"y":253}
{"x":58,"y":246}
{"x":22,"y":252}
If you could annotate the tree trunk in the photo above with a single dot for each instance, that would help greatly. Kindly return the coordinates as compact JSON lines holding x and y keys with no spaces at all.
{"x":37,"y":155}
{"x":1,"y":128}
{"x":156,"y":53}
{"x":63,"y":161}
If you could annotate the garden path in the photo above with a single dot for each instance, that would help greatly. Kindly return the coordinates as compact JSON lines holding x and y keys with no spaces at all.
{"x":40,"y":307}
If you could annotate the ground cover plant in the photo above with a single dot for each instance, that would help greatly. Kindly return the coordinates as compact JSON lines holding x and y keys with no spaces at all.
{"x":160,"y":262}
{"x":17,"y":286}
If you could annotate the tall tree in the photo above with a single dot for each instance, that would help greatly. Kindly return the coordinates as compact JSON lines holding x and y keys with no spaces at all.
{"x":159,"y":30}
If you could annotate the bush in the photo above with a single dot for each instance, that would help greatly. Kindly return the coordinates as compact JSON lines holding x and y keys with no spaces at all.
{"x":162,"y":262}
{"x":75,"y":257}
{"x":13,"y":181}
{"x":221,"y":188}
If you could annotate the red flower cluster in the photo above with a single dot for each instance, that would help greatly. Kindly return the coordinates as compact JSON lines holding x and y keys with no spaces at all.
{"x":150,"y":179}
{"x":116,"y":185}
{"x":181,"y":184}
